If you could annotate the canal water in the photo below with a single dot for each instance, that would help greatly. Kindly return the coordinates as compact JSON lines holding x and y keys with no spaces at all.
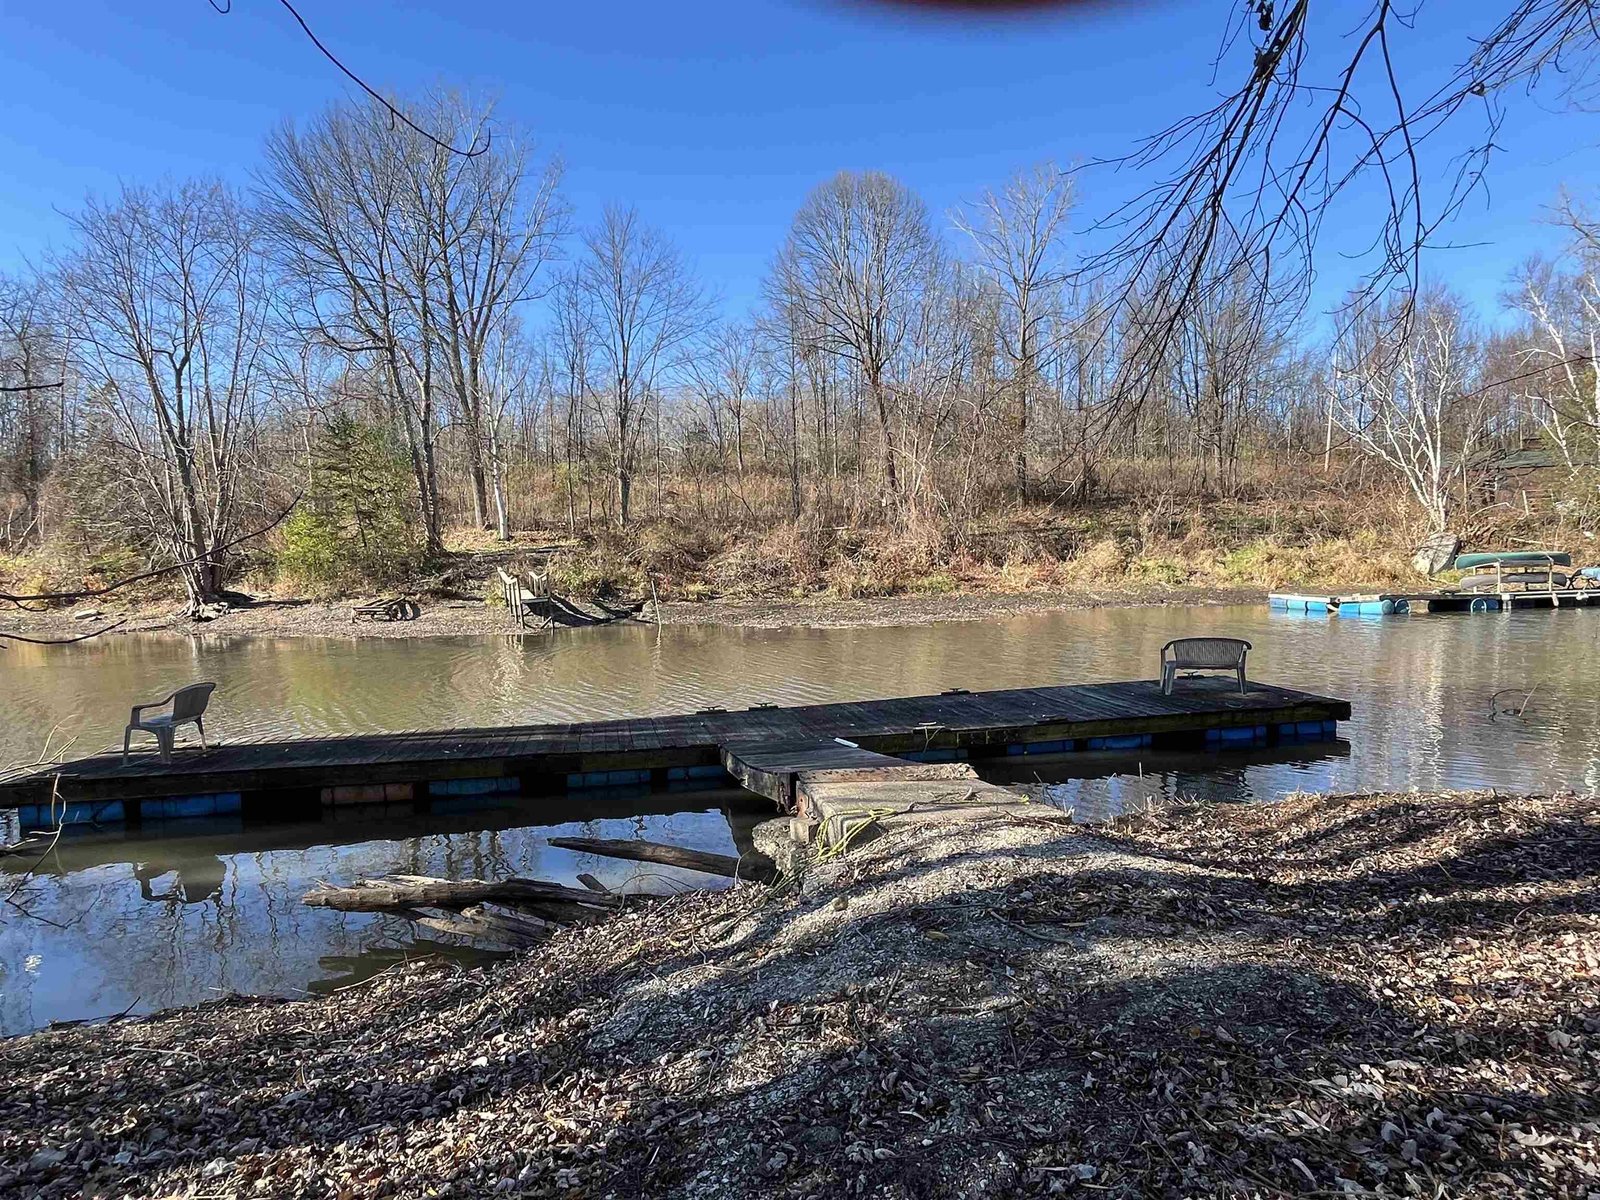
{"x":112,"y":922}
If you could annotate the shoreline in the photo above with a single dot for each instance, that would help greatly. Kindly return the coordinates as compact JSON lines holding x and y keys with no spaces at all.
{"x":452,"y":617}
{"x":1315,"y":995}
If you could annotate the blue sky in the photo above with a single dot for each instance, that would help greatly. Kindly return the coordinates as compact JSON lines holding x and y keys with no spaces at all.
{"x":715,"y":117}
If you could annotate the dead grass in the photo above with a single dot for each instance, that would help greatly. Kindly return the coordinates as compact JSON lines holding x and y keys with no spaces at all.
{"x":1229,"y":545}
{"x":1278,"y":532}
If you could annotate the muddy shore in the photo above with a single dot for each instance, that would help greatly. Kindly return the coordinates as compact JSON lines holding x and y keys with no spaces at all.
{"x":454,"y":616}
{"x":1393,"y":995}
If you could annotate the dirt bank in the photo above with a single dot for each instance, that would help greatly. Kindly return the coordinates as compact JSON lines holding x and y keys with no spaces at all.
{"x":922,"y":610}
{"x":451,"y":617}
{"x":1377,"y":995}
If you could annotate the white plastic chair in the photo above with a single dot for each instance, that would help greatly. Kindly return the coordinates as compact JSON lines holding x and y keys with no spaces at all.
{"x":188,"y":708}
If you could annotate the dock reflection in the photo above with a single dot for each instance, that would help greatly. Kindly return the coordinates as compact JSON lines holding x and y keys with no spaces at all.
{"x":1097,"y":787}
{"x":194,"y":879}
{"x":186,"y":911}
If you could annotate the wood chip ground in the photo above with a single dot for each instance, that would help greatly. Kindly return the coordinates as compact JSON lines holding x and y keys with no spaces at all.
{"x":1370,"y":996}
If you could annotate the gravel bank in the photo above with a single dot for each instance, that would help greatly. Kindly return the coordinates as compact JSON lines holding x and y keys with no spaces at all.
{"x":1373,"y":995}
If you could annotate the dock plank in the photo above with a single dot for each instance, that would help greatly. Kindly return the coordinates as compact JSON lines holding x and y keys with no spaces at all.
{"x":779,"y":771}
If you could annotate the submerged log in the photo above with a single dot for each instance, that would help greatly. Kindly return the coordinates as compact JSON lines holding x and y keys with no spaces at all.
{"x":417,"y":891}
{"x":753,"y":866}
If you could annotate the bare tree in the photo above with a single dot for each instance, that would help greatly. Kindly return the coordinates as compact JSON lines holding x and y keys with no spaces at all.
{"x":857,"y":260}
{"x":33,"y":395}
{"x":507,"y":382}
{"x":724,"y":372}
{"x":495,"y":220}
{"x":166,"y":298}
{"x":1018,"y":234}
{"x":339,"y":212}
{"x":1245,"y":184}
{"x":1403,"y":394}
{"x":1229,"y":361}
{"x":950,"y":393}
{"x":642,"y":306}
{"x":573,"y":341}
{"x":1563,"y":389}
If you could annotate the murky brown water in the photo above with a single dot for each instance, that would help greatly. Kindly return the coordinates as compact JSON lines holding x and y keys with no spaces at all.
{"x":152,"y":920}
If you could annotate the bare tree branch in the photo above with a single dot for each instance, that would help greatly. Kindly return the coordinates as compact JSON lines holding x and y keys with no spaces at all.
{"x":395,"y":113}
{"x":153,"y":573}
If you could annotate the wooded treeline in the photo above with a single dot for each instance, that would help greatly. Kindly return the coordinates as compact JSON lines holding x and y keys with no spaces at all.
{"x":411,"y":339}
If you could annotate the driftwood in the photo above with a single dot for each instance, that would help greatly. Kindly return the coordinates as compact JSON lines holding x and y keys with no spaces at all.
{"x":416,"y":891}
{"x":563,"y":913}
{"x":492,"y":924}
{"x":515,"y":912}
{"x":750,"y":866}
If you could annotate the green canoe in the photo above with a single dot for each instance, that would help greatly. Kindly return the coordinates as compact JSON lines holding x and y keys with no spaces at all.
{"x":1513,"y":558}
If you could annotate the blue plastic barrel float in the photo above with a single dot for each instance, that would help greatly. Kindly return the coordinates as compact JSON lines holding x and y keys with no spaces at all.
{"x":213,"y":804}
{"x":1483,"y":604}
{"x":45,"y":817}
{"x":1300,"y":604}
{"x":1374,"y":608}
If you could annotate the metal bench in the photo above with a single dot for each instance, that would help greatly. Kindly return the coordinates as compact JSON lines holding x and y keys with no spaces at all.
{"x":188,"y":708}
{"x":1202,"y":654}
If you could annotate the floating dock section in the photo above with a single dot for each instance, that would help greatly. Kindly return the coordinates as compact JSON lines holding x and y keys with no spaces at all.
{"x":1399,"y":604}
{"x":713,"y":747}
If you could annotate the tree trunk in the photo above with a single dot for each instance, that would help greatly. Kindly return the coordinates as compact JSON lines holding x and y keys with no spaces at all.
{"x":1022,"y":441}
{"x":202,"y":575}
{"x":33,"y":477}
{"x":419,"y":892}
{"x":749,"y":866}
{"x":434,"y":529}
{"x":880,"y":400}
{"x":480,"y":479}
{"x":794,"y":452}
{"x":497,"y":486}
{"x":1026,"y":365}
{"x":624,"y":463}
{"x":203,"y":582}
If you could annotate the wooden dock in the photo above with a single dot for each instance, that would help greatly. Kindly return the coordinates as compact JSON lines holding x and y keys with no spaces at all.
{"x":448,"y":766}
{"x":1399,"y":604}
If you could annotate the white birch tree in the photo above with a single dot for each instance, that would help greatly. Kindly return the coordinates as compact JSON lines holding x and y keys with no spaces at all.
{"x":1402,"y":392}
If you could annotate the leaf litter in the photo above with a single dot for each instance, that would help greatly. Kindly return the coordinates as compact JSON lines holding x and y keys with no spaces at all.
{"x":1375,"y":995}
